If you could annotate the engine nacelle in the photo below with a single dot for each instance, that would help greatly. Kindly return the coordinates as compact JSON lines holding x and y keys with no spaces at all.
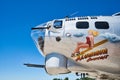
{"x":56,"y":64}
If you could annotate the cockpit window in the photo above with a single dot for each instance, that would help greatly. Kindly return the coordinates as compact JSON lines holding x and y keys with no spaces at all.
{"x":101,"y":25}
{"x":57,"y":24}
{"x":82,"y":25}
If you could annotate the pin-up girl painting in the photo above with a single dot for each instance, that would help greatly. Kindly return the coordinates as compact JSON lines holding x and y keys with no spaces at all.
{"x":89,"y":42}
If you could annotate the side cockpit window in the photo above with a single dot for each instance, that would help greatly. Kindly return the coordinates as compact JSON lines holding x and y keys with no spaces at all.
{"x":82,"y":25}
{"x":57,"y":24}
{"x":101,"y":25}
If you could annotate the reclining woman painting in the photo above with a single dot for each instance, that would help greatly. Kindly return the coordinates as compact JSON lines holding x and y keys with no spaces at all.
{"x":88,"y":44}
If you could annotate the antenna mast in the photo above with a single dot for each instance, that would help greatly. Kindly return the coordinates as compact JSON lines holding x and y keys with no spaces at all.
{"x":74,"y":13}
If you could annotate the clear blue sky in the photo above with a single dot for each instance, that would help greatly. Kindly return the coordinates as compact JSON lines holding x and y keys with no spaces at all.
{"x":16,"y":20}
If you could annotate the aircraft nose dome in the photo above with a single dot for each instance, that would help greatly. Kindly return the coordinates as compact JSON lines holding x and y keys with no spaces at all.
{"x":38,"y":36}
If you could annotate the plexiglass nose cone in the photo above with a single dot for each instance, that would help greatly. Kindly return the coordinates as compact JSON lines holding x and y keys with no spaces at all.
{"x":38,"y":36}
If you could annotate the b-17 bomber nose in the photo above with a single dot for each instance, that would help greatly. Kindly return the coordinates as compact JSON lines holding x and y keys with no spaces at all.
{"x":38,"y":35}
